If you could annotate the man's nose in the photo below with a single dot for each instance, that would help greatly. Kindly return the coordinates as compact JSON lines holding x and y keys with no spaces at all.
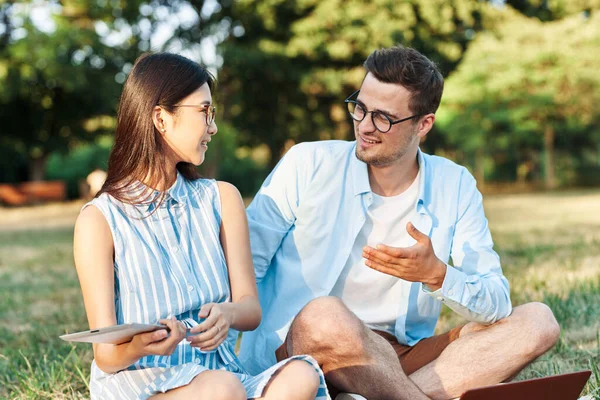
{"x":366,"y":125}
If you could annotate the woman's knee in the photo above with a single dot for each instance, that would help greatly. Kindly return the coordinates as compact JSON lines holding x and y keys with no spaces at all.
{"x":217,"y":385}
{"x":303,"y":372}
{"x":297,"y":378}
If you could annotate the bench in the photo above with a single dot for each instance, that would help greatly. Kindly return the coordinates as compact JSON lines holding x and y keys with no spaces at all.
{"x":32,"y":192}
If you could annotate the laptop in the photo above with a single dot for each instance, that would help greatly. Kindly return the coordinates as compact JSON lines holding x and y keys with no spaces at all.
{"x":557,"y":387}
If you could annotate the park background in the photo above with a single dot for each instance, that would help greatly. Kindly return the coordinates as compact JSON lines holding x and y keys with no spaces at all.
{"x":520,"y":110}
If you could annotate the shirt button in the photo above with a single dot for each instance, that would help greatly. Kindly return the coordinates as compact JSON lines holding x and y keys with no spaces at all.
{"x":439,"y":298}
{"x":175,"y":249}
{"x":197,"y":360}
{"x":190,"y":288}
{"x":450,"y":292}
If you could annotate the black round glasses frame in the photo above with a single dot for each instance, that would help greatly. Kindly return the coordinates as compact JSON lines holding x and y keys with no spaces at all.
{"x":352,"y":104}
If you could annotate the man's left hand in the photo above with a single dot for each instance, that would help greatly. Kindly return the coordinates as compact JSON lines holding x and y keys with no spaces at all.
{"x":417,"y":263}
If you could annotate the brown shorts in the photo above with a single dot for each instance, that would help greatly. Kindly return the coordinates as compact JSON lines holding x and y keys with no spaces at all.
{"x":412,"y":358}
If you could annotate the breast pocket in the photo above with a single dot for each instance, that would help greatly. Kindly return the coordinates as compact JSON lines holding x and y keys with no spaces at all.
{"x":441,"y":239}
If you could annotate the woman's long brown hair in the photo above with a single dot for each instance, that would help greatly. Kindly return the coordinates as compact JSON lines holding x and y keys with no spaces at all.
{"x":139,"y":152}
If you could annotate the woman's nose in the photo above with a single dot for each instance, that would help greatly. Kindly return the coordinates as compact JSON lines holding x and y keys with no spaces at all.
{"x":212,"y":128}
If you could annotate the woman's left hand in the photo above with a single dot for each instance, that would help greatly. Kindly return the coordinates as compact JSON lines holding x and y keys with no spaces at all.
{"x":214,"y":329}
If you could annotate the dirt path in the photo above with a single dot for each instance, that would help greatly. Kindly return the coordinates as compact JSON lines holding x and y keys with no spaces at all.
{"x":47,"y":216}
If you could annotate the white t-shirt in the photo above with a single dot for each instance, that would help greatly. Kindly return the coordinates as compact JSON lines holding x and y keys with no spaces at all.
{"x":372,"y":295}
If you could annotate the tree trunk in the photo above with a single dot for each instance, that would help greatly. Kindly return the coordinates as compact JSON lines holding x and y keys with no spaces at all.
{"x":549,"y":168}
{"x":480,"y":168}
{"x":276,"y":150}
{"x":37,"y":168}
{"x":276,"y":143}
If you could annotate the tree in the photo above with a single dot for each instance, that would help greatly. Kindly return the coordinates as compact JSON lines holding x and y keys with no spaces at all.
{"x":288,"y":65}
{"x":527,"y":86}
{"x":551,"y":10}
{"x":55,"y":80}
{"x":62,"y":65}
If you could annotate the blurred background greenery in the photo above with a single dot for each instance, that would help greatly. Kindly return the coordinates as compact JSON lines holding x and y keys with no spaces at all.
{"x":519,"y":108}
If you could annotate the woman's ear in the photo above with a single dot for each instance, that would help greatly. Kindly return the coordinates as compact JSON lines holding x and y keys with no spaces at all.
{"x":157,"y":117}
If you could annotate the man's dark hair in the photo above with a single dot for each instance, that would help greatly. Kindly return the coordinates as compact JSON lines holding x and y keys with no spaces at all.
{"x":411,"y":69}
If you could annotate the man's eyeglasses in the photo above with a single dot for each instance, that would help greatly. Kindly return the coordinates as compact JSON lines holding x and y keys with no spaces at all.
{"x":382,"y":122}
{"x":207,"y":109}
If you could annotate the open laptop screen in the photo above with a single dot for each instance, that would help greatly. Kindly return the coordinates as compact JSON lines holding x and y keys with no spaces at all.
{"x":557,"y":387}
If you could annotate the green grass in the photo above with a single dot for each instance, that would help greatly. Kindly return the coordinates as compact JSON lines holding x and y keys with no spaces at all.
{"x":40,"y":300}
{"x":549,"y":245}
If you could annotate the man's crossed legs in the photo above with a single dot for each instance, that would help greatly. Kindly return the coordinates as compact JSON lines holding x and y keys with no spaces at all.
{"x":358,"y":360}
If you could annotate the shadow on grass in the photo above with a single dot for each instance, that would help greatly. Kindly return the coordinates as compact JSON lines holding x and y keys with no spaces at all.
{"x":519,"y":255}
{"x":578,"y":314}
{"x":577,"y":308}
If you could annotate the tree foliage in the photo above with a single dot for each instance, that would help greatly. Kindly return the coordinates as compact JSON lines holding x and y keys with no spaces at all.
{"x":62,"y":65}
{"x":288,"y":65}
{"x":527,"y":88}
{"x":56,"y":80}
{"x":521,"y":71}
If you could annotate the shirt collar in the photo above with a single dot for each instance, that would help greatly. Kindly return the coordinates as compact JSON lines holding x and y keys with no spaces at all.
{"x":177,"y":192}
{"x":423,"y":187}
{"x":360,"y":174}
{"x":360,"y":177}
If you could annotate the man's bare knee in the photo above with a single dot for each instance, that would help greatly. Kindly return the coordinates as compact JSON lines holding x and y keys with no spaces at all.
{"x":326,"y":324}
{"x":537,"y":322}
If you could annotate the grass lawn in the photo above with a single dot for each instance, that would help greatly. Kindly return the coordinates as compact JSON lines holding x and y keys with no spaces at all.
{"x":549,"y":245}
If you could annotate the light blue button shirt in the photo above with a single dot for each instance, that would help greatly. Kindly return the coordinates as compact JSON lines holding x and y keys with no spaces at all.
{"x":307,"y":215}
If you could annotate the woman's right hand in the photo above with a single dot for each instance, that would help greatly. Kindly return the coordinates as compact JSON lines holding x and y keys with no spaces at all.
{"x":157,"y":342}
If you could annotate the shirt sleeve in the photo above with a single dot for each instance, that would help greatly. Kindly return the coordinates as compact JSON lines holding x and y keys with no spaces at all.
{"x":475,"y":286}
{"x":272,"y":212}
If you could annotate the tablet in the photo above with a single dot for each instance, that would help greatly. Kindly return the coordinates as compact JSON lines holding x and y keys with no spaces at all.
{"x":115,"y":334}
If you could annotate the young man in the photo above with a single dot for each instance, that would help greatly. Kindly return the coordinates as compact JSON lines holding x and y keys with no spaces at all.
{"x":351,"y":243}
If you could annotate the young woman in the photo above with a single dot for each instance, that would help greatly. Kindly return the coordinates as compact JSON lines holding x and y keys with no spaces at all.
{"x":161,"y":245}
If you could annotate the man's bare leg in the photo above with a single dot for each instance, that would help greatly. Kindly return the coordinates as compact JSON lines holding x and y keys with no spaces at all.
{"x":486,"y":355}
{"x":353,"y":358}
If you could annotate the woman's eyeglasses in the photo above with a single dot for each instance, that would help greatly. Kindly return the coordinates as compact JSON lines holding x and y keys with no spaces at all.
{"x":207,"y":109}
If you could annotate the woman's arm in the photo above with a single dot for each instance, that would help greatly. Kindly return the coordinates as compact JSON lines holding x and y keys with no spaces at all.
{"x":244,"y":312}
{"x":93,"y":251}
{"x":236,"y":246}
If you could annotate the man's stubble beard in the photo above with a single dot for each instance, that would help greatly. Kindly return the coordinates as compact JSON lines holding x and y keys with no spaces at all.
{"x":383,"y":160}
